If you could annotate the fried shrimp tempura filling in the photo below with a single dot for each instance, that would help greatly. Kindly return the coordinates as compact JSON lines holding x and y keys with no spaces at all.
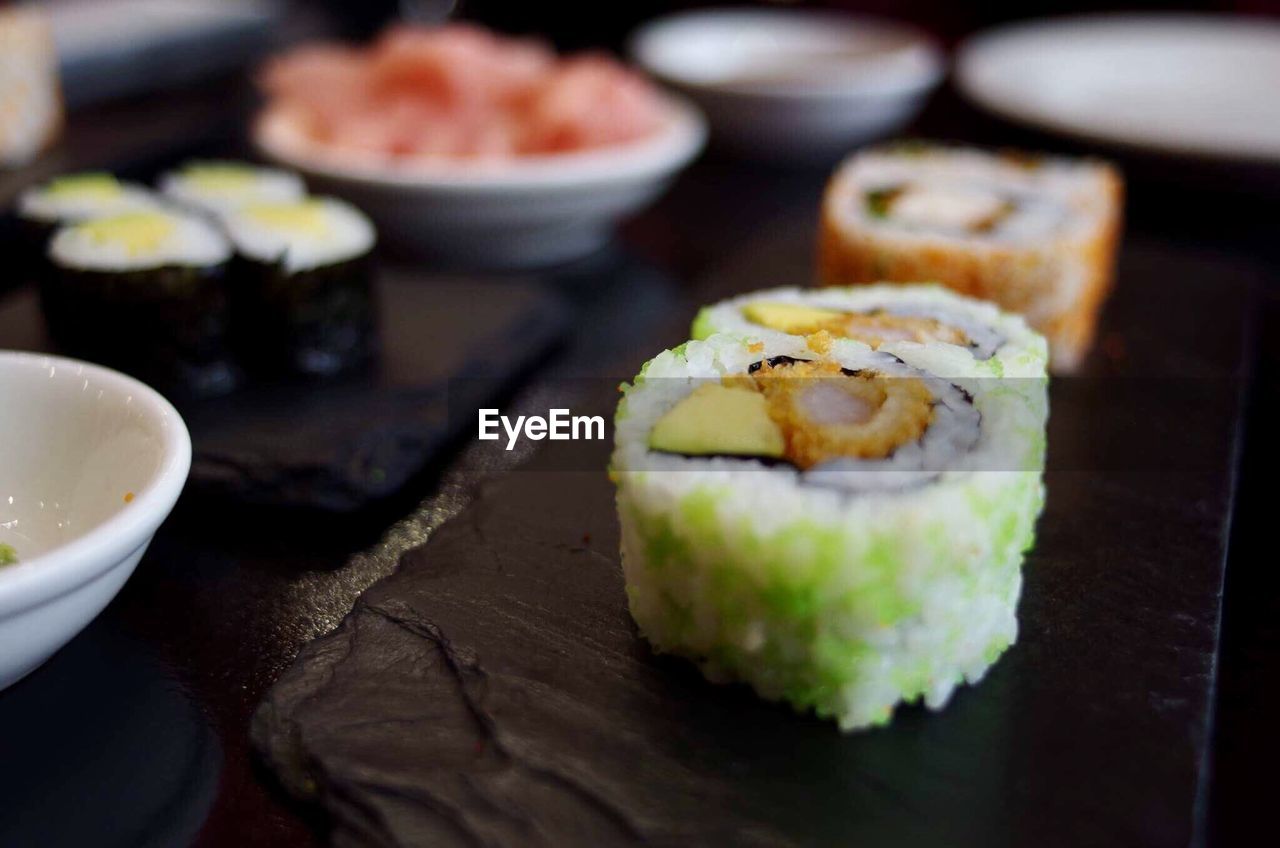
{"x":826,"y":413}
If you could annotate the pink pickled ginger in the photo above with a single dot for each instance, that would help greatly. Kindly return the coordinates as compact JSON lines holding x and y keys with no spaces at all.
{"x":460,"y":91}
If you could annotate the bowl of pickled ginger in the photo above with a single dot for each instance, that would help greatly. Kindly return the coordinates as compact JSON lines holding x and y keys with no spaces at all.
{"x":474,"y":147}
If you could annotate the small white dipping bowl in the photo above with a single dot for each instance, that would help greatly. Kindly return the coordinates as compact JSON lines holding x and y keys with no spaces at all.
{"x":91,"y":462}
{"x":522,"y":212}
{"x":792,"y":85}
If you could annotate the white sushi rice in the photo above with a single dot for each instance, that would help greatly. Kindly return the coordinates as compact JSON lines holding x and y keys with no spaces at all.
{"x":342,"y":233}
{"x":70,"y":205}
{"x":843,"y":599}
{"x":190,"y":241}
{"x":222,"y":187}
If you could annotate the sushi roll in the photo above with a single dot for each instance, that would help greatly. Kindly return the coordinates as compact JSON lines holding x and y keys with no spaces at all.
{"x":952,"y":335}
{"x":837,"y":528}
{"x":218,"y":187}
{"x":303,"y":300}
{"x":70,"y":199}
{"x":1036,"y":235}
{"x":145,"y":292}
{"x":79,"y":197}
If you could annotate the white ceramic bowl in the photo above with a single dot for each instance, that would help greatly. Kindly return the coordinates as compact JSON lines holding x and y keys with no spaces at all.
{"x":91,"y":462}
{"x":535,"y":210}
{"x":793,"y":85}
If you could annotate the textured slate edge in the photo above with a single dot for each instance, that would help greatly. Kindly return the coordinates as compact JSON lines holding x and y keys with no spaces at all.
{"x":382,"y":455}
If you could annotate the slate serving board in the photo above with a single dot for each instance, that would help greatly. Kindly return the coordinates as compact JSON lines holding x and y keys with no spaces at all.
{"x":494,"y":691}
{"x":340,"y":444}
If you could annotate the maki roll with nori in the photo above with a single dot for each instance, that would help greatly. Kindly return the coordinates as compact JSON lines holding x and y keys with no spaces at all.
{"x":79,"y":197}
{"x":145,"y":292}
{"x":303,"y":298}
{"x":1035,"y":234}
{"x":219,"y":187}
{"x":840,"y":529}
{"x":70,"y":199}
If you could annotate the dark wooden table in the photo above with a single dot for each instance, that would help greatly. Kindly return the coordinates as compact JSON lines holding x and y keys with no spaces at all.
{"x":136,"y":734}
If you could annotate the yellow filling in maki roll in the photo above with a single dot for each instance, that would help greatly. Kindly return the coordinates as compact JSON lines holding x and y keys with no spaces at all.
{"x":303,"y":217}
{"x":139,"y":233}
{"x":90,"y":185}
{"x":872,"y":328}
{"x":220,"y":177}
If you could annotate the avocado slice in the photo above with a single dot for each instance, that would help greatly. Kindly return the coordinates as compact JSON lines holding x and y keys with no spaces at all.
{"x":718,"y":419}
{"x":788,"y":317}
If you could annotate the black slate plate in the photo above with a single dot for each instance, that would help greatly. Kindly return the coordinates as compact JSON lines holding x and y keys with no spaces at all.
{"x":494,"y":691}
{"x":339,"y":445}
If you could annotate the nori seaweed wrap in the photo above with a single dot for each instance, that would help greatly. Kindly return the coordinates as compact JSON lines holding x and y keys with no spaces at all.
{"x":145,"y":292}
{"x":302,"y":299}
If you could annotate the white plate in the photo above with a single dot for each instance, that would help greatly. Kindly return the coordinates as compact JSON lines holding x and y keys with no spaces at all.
{"x":1186,"y":84}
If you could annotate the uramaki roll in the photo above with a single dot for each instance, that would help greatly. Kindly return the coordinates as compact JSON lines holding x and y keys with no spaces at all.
{"x":837,"y":528}
{"x":1036,"y":235}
